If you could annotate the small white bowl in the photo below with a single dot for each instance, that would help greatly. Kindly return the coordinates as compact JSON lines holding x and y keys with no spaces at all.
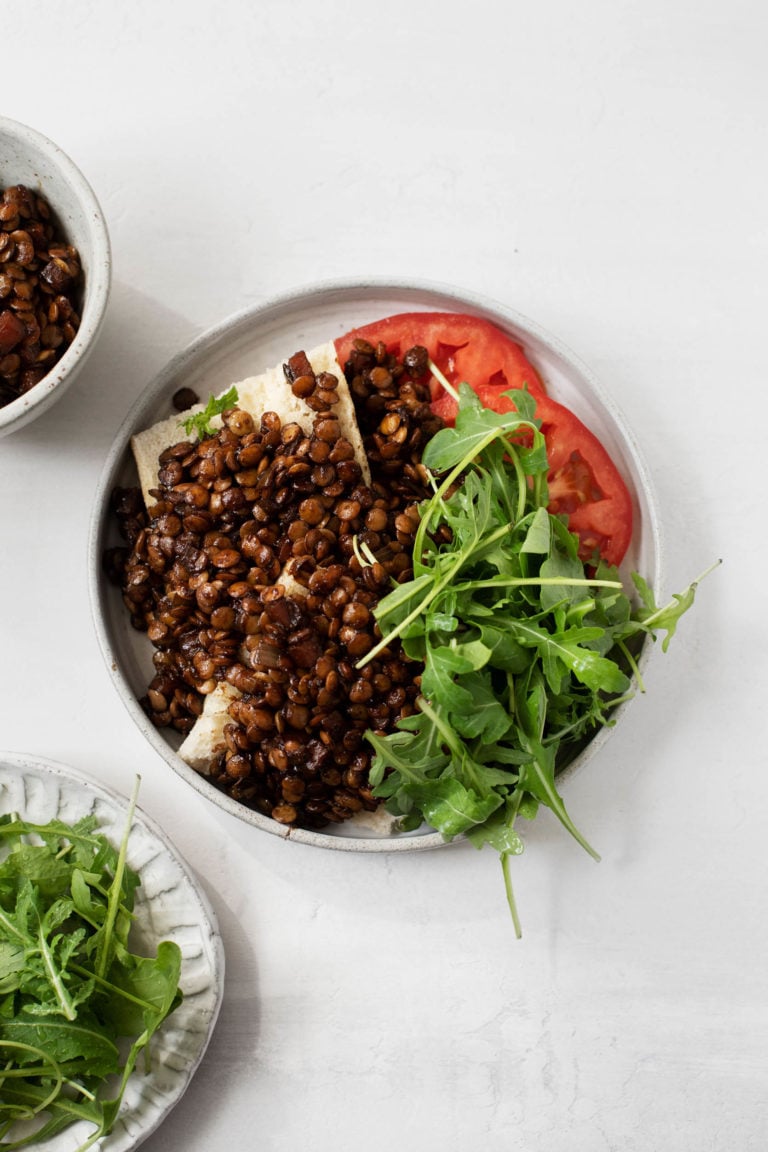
{"x":27,"y":157}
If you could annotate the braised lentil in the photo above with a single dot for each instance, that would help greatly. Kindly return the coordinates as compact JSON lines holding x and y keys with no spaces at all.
{"x":199,"y":576}
{"x":40,"y":288}
{"x":184,"y":398}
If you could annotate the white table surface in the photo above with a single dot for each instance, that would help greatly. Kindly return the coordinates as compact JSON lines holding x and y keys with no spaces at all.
{"x":602,"y":169}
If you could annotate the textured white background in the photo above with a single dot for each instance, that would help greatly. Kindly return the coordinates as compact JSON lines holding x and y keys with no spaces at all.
{"x":601,"y":168}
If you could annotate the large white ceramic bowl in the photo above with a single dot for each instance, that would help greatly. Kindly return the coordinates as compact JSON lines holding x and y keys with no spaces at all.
{"x":27,"y":157}
{"x":254,"y":340}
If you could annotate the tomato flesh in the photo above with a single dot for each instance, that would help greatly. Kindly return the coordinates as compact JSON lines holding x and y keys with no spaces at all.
{"x":585,"y":483}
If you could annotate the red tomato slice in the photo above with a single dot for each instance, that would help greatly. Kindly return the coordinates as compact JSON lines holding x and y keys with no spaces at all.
{"x":585,"y":483}
{"x":463,"y":347}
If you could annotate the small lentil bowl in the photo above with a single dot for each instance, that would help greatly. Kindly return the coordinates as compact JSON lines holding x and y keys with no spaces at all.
{"x":249,"y":343}
{"x":30,"y":159}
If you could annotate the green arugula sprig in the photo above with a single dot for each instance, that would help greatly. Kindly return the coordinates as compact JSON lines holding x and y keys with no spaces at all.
{"x":525,"y":653}
{"x":200,"y":422}
{"x":70,"y":988}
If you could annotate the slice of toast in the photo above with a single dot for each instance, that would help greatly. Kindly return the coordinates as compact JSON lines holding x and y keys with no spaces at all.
{"x":205,"y":740}
{"x":269,"y":392}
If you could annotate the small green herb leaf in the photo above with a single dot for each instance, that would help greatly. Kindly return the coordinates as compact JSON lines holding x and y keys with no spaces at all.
{"x":200,"y":422}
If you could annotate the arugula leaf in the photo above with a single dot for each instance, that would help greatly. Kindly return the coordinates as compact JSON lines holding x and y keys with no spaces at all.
{"x":475,"y":428}
{"x":538,"y":779}
{"x":451,"y":808}
{"x":487,"y":717}
{"x":525,"y":653}
{"x":651,"y":618}
{"x":200,"y":422}
{"x":499,"y":831}
{"x":538,"y":537}
{"x":85,"y":1043}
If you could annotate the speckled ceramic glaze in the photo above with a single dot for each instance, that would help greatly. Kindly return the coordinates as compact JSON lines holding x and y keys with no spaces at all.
{"x":170,"y":905}
{"x":27,"y":157}
{"x":253,"y":341}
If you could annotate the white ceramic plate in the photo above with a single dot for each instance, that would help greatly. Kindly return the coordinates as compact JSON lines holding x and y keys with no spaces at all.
{"x":170,"y":905}
{"x":256,"y":339}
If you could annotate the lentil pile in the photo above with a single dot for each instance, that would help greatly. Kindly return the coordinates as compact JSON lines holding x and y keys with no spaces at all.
{"x":203,"y":575}
{"x":40,"y":282}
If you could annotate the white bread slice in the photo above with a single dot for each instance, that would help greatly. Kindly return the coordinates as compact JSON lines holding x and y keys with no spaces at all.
{"x":206,"y":738}
{"x":269,"y":392}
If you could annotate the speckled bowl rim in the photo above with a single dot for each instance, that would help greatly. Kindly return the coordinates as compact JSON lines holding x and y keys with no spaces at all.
{"x":97,"y":284}
{"x":452,"y":298}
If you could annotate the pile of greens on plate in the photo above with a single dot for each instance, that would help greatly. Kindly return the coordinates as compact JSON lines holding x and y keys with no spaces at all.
{"x":526,"y":651}
{"x":71,"y":989}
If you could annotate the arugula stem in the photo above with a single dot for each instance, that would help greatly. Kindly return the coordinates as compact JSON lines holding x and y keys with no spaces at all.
{"x":53,"y":1070}
{"x":447,"y":733}
{"x":97,"y":1135}
{"x":81,"y":1089}
{"x":543,"y":581}
{"x":649,"y":620}
{"x":414,"y":615}
{"x":23,"y":828}
{"x":434,"y":502}
{"x":55,"y":978}
{"x":522,"y":488}
{"x":614,"y":703}
{"x":116,"y":887}
{"x":504,"y":857}
{"x":499,"y":534}
{"x":633,"y":665}
{"x":78,"y":968}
